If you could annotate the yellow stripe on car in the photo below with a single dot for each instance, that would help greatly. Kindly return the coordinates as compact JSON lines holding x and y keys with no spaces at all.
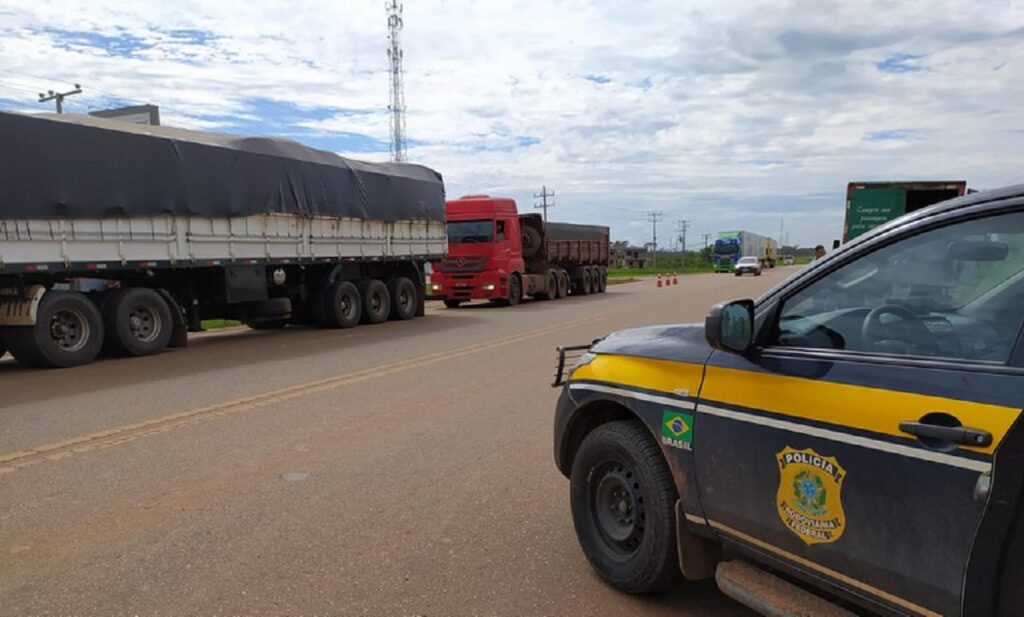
{"x":859,"y":407}
{"x":677,"y":378}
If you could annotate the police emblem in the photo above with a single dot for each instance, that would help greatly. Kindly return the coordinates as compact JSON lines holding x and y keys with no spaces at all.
{"x":808,"y":499}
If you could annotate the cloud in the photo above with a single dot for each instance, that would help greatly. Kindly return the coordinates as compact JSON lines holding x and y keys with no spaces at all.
{"x":729,"y":115}
{"x":900,"y":63}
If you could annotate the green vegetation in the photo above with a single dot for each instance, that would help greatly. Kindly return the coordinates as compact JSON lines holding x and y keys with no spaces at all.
{"x":213,"y":324}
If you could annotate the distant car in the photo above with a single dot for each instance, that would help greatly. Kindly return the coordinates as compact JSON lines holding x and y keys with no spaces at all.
{"x":788,"y":260}
{"x":748,"y":265}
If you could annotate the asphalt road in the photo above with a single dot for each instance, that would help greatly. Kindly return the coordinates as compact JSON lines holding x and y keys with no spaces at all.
{"x":398,"y":469}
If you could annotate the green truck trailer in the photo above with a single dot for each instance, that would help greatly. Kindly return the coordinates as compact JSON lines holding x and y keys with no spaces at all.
{"x":870,"y":204}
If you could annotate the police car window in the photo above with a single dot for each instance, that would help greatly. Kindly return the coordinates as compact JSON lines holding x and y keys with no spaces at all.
{"x":956,"y":292}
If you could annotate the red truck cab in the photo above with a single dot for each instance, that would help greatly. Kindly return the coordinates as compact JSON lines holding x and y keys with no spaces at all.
{"x":497,"y":254}
{"x":484,"y":249}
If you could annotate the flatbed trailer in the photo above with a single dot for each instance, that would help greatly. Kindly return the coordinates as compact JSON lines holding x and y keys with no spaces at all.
{"x":121,"y":238}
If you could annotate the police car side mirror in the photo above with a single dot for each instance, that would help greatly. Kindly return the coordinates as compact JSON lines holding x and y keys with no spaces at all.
{"x":730,"y":326}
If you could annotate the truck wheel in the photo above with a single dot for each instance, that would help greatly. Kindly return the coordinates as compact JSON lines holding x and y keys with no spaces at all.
{"x":376,"y":301}
{"x":68,"y":332}
{"x":403,"y":298}
{"x":602,"y":278}
{"x":586,"y":282}
{"x":342,"y":305}
{"x":550,"y":287}
{"x":563,"y":283}
{"x":452,"y":303}
{"x":137,"y":322}
{"x":515,"y":290}
{"x":531,"y":241}
{"x":622,"y":497}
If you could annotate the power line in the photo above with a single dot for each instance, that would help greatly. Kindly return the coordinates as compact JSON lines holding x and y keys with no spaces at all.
{"x":654,"y":217}
{"x":681,"y":227}
{"x":59,"y":97}
{"x":397,"y":106}
{"x":544,"y":204}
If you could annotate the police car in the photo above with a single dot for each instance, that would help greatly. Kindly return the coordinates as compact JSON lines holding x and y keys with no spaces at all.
{"x":854,"y":432}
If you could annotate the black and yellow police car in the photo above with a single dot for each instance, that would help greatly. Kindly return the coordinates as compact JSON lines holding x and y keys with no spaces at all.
{"x":855,"y":432}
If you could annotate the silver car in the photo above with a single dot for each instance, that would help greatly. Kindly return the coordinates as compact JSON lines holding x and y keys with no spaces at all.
{"x":748,"y":265}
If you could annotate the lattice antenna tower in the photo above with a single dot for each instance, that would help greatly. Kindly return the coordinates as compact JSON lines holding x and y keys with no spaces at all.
{"x":397,"y":106}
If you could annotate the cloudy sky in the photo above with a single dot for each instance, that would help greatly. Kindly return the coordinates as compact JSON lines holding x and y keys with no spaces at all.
{"x":731,"y":115}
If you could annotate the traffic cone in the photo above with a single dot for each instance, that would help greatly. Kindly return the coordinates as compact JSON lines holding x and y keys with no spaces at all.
{"x":659,"y":280}
{"x":675,"y":279}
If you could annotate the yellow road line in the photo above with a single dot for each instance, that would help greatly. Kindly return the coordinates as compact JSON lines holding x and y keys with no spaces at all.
{"x":106,"y":438}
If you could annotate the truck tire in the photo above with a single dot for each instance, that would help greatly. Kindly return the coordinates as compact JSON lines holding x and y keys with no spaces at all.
{"x":404,"y":299}
{"x":452,"y":303}
{"x":515,"y":290}
{"x":342,"y":305}
{"x":137,"y":322}
{"x":586,"y":280}
{"x":563,"y":283}
{"x":631,"y":545}
{"x":550,"y":287}
{"x":602,"y":279}
{"x":68,"y":332}
{"x":531,"y":241}
{"x":376,"y":301}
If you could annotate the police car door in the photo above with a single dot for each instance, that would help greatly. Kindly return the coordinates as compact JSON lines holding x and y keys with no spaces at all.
{"x":857,"y":443}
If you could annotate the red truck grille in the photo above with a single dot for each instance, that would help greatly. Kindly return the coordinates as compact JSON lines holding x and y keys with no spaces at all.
{"x":454,"y":265}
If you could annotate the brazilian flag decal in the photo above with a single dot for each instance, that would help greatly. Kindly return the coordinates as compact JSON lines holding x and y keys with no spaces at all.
{"x":676,"y":429}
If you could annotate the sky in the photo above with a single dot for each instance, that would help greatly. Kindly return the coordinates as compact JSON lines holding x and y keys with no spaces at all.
{"x":730,"y":115}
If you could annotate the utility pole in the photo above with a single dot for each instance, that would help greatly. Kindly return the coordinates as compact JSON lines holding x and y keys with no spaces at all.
{"x":59,"y":97}
{"x":654,"y":217}
{"x":681,"y":227}
{"x":544,"y":204}
{"x":707,"y":239}
{"x":397,"y":106}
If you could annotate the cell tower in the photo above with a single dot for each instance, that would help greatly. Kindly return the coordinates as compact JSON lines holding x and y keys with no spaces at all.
{"x":397,"y":106}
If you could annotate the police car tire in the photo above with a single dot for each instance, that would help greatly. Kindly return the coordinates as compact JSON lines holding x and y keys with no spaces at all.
{"x":653,"y":565}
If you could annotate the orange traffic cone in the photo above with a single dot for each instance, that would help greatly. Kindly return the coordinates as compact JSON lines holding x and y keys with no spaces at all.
{"x":675,"y":279}
{"x":659,"y":280}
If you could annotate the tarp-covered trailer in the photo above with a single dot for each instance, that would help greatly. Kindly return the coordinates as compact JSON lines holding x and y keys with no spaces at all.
{"x":122,"y":237}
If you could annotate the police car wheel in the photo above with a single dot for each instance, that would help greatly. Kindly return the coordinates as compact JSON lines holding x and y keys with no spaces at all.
{"x":623,"y":498}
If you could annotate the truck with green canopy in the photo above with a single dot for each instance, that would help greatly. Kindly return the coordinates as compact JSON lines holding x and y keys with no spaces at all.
{"x":870,"y":204}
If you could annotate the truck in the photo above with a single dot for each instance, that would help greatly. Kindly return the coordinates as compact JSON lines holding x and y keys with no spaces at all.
{"x":870,"y":204}
{"x":732,"y":245}
{"x":120,"y":239}
{"x":499,"y":255}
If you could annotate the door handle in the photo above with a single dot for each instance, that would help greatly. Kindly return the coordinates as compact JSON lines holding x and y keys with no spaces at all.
{"x":960,"y":435}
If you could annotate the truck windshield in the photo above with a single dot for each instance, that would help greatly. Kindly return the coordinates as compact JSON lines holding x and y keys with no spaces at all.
{"x":464,"y":232}
{"x":726,"y":248}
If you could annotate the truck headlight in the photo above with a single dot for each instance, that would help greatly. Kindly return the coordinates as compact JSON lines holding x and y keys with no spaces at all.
{"x":435,"y":287}
{"x":487,"y":287}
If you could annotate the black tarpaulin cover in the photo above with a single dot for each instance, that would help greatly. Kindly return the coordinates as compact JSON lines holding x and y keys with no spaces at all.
{"x":573,"y":231}
{"x":73,"y":166}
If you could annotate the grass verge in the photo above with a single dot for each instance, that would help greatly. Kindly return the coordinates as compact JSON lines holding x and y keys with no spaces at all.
{"x":213,"y":324}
